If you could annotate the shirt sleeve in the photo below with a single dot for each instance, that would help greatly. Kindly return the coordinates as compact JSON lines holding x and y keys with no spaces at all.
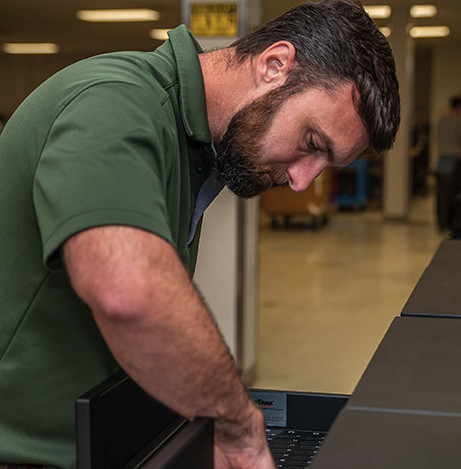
{"x":105,"y":162}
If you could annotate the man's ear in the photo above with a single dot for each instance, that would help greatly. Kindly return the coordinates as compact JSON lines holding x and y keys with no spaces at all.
{"x":274,"y":63}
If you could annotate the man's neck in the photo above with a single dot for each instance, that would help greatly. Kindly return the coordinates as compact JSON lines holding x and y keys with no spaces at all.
{"x":228,"y":87}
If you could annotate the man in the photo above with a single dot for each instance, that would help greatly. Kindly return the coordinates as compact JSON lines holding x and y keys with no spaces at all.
{"x":101,"y":169}
{"x":449,"y":133}
{"x":449,"y":163}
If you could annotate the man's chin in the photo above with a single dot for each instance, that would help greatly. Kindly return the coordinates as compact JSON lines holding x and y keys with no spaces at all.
{"x":249,"y":192}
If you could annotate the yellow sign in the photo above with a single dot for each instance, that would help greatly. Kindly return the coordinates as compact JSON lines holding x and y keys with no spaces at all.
{"x":214,"y":19}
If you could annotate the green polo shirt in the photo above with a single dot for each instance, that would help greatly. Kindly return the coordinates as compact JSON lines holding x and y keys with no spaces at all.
{"x":117,"y":139}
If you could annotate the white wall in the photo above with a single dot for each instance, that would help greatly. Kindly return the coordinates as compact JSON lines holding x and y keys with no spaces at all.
{"x":227,"y":274}
{"x":217,"y":264}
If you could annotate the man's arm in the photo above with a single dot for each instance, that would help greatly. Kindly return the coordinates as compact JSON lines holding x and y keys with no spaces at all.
{"x":161,"y":333}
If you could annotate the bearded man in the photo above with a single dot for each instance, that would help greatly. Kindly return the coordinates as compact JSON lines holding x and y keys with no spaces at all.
{"x":104,"y":173}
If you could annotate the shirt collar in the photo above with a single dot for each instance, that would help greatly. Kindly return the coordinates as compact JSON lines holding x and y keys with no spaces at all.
{"x":191,"y":85}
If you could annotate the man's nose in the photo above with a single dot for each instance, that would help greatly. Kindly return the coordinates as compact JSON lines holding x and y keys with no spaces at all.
{"x":301,"y":173}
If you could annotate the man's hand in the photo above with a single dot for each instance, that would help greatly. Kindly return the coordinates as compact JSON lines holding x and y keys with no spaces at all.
{"x":245,"y":450}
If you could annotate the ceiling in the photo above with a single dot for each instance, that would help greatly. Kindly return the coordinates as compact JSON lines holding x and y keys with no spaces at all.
{"x":55,"y":21}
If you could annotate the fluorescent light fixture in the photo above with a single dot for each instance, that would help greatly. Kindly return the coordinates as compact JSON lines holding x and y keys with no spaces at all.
{"x":136,"y":14}
{"x":30,"y":48}
{"x":159,"y":34}
{"x":429,"y":31}
{"x":378,"y":11}
{"x":423,"y":11}
{"x":386,"y":31}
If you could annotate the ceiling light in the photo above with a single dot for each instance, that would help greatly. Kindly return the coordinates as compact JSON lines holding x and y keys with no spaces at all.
{"x":386,"y":31}
{"x":378,"y":11}
{"x":137,"y":14}
{"x":159,"y":34}
{"x":429,"y":31}
{"x":423,"y":11}
{"x":30,"y":48}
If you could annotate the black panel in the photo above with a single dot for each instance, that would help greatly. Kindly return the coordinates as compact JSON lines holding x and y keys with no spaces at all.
{"x":391,"y":440}
{"x":447,"y":256}
{"x":116,"y":420}
{"x":416,"y":367}
{"x":191,"y":448}
{"x":314,"y":412}
{"x":438,"y":292}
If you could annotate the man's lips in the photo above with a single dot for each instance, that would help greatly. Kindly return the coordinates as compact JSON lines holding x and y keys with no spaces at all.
{"x":276,"y":181}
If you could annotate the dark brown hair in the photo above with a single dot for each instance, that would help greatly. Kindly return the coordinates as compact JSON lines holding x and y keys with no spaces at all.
{"x":337,"y":42}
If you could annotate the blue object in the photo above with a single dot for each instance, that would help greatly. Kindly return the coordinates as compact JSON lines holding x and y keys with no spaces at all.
{"x":352,"y":185}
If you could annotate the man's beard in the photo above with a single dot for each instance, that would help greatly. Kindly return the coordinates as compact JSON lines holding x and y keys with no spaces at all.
{"x":240,"y":151}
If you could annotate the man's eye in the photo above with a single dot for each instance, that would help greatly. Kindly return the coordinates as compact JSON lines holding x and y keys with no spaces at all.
{"x":312,"y":146}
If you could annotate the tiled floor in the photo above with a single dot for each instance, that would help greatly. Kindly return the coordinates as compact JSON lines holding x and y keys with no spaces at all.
{"x":327,"y":297}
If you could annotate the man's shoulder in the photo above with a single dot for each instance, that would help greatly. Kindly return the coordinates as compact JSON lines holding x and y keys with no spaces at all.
{"x":142,"y":69}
